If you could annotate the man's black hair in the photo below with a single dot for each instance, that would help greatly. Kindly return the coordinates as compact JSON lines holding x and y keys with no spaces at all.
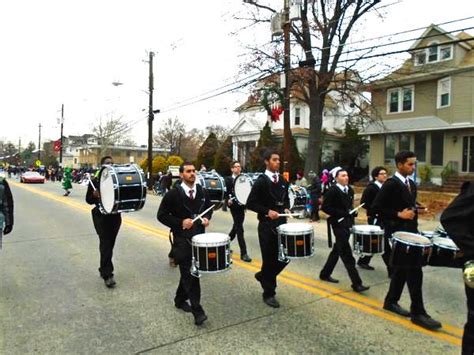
{"x":402,"y":156}
{"x":103,"y":159}
{"x":267,"y":155}
{"x":186,"y":163}
{"x":376,"y":171}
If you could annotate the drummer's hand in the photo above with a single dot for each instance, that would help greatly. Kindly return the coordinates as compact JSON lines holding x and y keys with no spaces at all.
{"x":187,"y":223}
{"x":95,"y":194}
{"x":406,"y":214}
{"x":273,"y":214}
{"x":229,"y":203}
{"x":205,"y":222}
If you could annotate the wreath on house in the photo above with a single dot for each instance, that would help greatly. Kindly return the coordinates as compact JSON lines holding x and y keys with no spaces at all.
{"x":271,"y":100}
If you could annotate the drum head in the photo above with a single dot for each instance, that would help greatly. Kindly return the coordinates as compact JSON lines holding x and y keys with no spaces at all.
{"x":295,"y":228}
{"x":411,"y":238}
{"x":366,"y":228}
{"x":242,"y":188}
{"x":107,"y":192}
{"x":210,"y":239}
{"x":445,"y":243}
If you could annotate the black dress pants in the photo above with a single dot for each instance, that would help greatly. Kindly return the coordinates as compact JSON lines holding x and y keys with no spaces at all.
{"x":189,"y":288}
{"x":413,"y":277}
{"x":238,"y":215}
{"x":341,"y":249}
{"x":271,"y":266}
{"x":468,"y":336}
{"x":107,"y":227}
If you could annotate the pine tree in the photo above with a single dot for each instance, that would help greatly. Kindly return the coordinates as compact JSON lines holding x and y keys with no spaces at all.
{"x":207,"y":152}
{"x":223,"y":157}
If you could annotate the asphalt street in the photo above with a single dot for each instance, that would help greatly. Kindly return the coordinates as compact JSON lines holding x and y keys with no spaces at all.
{"x":52,"y":299}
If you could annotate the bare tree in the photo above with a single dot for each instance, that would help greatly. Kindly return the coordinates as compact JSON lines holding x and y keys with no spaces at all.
{"x":110,"y":131}
{"x":170,"y":134}
{"x":190,"y":143}
{"x":221,"y":132}
{"x":320,"y":37}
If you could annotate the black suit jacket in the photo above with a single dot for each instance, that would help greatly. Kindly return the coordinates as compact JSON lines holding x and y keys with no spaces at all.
{"x":229,"y":185}
{"x":392,"y":198}
{"x":338,"y":204}
{"x":368,"y":197}
{"x":7,"y":203}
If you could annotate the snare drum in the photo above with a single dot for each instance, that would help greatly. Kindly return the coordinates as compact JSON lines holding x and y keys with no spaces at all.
{"x":410,"y":250}
{"x":442,"y":233}
{"x":444,"y":253}
{"x":242,"y":187}
{"x":368,"y":239}
{"x":215,"y":186}
{"x":298,"y":197}
{"x":430,"y":234}
{"x":122,"y":188}
{"x":295,"y":240}
{"x":210,"y":253}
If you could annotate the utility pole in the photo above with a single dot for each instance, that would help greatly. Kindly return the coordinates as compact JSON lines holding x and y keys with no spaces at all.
{"x":61,"y":147}
{"x":19,"y":146}
{"x":286,"y":91}
{"x":150,"y":121}
{"x":39,"y":142}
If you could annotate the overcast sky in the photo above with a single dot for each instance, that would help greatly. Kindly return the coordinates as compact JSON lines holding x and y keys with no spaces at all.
{"x":70,"y":52}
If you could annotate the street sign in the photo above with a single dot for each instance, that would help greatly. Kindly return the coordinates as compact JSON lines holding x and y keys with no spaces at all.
{"x":38,"y":162}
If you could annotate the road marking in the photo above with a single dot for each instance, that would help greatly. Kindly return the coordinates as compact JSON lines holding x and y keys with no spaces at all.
{"x":365,"y":304}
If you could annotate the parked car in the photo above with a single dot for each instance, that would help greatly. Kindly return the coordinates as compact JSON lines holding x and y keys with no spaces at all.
{"x":32,"y":177}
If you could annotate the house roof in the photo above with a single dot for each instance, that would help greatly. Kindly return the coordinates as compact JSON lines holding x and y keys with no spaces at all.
{"x":415,"y":124}
{"x":299,"y":131}
{"x":442,"y":32}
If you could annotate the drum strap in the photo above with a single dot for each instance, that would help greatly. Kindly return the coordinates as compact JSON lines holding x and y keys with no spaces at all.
{"x":170,"y":237}
{"x":329,"y":233}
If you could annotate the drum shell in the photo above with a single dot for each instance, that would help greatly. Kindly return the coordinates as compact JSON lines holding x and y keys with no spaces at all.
{"x":298,"y":198}
{"x":214,"y":184}
{"x":296,"y":244}
{"x":368,"y":242}
{"x":408,"y":255}
{"x":445,"y":257}
{"x":211,"y":256}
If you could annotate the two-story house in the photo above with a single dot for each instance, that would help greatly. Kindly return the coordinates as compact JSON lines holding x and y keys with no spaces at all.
{"x":253,"y":117}
{"x":427,"y":105}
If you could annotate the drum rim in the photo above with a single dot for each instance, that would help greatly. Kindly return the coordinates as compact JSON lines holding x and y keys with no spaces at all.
{"x":429,"y":244}
{"x":444,"y":246}
{"x":375,"y":231}
{"x":310,"y":229}
{"x":199,"y":243}
{"x":112,"y":173}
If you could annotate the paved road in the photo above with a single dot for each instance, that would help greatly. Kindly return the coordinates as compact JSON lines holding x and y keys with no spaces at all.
{"x":53,"y":301}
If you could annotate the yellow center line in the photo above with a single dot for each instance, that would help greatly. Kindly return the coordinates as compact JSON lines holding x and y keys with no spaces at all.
{"x":365,"y":304}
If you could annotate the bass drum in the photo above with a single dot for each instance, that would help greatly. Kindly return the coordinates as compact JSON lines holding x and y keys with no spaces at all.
{"x":242,"y":187}
{"x":215,"y":186}
{"x":122,"y":188}
{"x":298,"y":197}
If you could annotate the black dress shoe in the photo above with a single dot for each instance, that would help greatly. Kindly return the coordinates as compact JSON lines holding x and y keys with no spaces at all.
{"x":360,"y":288}
{"x":366,"y":267}
{"x":329,"y":279}
{"x":272,"y":302}
{"x":199,"y":318}
{"x":395,"y":308}
{"x":425,"y":321}
{"x":184,"y":306}
{"x":246,"y":258}
{"x":110,"y":282}
{"x":258,"y":276}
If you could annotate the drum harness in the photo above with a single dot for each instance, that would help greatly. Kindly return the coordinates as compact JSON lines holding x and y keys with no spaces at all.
{"x":279,"y":201}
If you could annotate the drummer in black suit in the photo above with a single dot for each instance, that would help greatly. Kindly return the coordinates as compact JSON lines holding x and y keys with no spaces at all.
{"x":107,"y":227}
{"x":379,"y":176}
{"x":458,"y":221}
{"x":177,"y":210}
{"x":337,"y":203}
{"x":269,"y":198}
{"x":396,"y":204}
{"x":237,"y":210}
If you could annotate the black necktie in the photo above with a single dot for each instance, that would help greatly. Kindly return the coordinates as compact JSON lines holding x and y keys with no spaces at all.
{"x":407,"y":183}
{"x":191,"y":194}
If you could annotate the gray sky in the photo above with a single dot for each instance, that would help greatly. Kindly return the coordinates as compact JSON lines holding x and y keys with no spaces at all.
{"x":70,"y":52}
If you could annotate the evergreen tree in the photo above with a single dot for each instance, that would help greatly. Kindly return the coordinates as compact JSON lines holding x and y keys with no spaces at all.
{"x":223,"y":157}
{"x":207,"y":152}
{"x":353,"y":147}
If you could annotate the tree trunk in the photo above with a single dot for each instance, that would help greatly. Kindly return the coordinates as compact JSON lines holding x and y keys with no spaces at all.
{"x":316,"y":107}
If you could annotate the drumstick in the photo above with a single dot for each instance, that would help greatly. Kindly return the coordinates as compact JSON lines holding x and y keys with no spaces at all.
{"x":92,"y":184}
{"x":289,"y":214}
{"x":351,"y":212}
{"x":202,"y":214}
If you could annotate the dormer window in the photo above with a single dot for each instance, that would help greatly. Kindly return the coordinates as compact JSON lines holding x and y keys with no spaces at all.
{"x":433,"y":54}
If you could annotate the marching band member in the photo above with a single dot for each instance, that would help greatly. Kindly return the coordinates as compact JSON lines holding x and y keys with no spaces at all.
{"x":458,"y":221}
{"x":337,"y":203}
{"x":177,"y":210}
{"x":268,"y":198}
{"x":396,"y":204}
{"x":237,"y":210}
{"x":107,"y":227}
{"x":6,"y":209}
{"x":379,"y":176}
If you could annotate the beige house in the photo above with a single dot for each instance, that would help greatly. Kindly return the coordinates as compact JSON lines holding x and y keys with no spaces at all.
{"x":427,"y":105}
{"x":90,"y":155}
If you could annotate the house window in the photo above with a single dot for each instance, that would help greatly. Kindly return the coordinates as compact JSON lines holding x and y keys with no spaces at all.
{"x":297,"y":116}
{"x":420,"y":146}
{"x":444,"y":92}
{"x":400,"y":99}
{"x":433,"y":54}
{"x":437,"y":148}
{"x":404,"y":143}
{"x":420,"y":58}
{"x":389,"y":148}
{"x":446,"y":52}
